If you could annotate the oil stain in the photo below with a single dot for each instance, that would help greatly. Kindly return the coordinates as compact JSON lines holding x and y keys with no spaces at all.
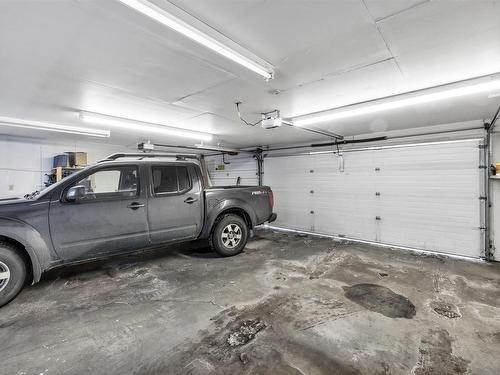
{"x":436,"y":355}
{"x":380,"y":299}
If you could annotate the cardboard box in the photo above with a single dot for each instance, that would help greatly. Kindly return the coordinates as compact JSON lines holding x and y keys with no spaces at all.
{"x":77,"y":159}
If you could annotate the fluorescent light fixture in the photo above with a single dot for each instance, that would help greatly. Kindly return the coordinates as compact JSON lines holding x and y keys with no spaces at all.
{"x":37,"y":125}
{"x":337,"y":114}
{"x":141,"y":126}
{"x":160,"y":15}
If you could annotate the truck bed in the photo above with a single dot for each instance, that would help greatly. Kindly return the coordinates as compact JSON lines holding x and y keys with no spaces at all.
{"x":255,"y":200}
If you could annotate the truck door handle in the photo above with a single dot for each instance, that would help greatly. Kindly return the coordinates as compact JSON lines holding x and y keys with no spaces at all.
{"x":135,"y":205}
{"x":190,"y":200}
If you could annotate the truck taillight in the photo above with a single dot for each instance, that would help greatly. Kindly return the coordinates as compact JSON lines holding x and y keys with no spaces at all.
{"x":270,"y":195}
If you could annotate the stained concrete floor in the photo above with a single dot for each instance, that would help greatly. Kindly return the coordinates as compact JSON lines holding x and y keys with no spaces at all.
{"x":287,"y":305}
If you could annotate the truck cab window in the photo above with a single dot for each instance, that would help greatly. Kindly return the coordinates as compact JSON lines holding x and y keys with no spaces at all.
{"x":111,"y":183}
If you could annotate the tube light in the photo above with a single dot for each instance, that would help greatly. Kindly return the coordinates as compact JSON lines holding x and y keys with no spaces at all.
{"x":160,"y":15}
{"x":425,"y":98}
{"x":37,"y":125}
{"x":141,"y":126}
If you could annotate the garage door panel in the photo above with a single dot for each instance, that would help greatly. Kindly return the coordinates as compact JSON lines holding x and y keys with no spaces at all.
{"x":242,"y":166}
{"x":430,"y":237}
{"x":428,"y":195}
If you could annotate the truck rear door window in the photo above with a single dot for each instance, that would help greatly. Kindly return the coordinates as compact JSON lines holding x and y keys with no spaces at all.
{"x":184,"y":180}
{"x":170,"y":179}
{"x":165,"y":179}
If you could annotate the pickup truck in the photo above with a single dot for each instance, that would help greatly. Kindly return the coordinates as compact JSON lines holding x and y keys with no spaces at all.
{"x":124,"y":203}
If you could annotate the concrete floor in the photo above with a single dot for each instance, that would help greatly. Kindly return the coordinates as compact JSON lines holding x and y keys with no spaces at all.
{"x":287,"y":305}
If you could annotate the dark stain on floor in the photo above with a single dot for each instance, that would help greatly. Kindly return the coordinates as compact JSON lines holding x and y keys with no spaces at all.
{"x":380,"y":299}
{"x":436,"y":355}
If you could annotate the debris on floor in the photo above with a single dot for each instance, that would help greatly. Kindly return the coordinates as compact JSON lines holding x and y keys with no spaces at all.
{"x":245,"y":332}
{"x":244,"y":358}
{"x":446,"y":309}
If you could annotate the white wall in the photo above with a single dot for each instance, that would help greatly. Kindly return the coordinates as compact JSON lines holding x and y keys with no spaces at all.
{"x":23,"y":164}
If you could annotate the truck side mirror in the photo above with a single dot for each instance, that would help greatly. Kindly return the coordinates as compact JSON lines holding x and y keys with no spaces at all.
{"x":75,"y":193}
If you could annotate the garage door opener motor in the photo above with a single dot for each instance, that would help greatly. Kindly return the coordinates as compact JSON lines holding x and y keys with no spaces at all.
{"x":271,"y":120}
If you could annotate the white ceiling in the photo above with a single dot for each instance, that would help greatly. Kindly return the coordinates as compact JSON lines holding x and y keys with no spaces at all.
{"x":61,"y":56}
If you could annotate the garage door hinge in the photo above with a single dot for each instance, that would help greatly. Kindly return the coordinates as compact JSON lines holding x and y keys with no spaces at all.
{"x":482,"y":228}
{"x":482,"y":146}
{"x":378,"y":218}
{"x":483,"y":167}
{"x":483,"y":198}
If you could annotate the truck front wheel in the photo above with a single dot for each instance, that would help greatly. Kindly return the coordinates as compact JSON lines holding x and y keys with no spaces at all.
{"x":229,"y":236}
{"x":12,"y":273}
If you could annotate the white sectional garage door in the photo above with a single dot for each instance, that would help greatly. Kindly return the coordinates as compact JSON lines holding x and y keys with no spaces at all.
{"x":225,"y":172}
{"x":420,"y":196}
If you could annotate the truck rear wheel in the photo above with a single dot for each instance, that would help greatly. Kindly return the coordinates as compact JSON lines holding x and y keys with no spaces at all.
{"x":12,"y":273}
{"x":229,"y":236}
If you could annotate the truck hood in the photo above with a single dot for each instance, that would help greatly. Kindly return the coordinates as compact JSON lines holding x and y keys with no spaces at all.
{"x":11,"y":200}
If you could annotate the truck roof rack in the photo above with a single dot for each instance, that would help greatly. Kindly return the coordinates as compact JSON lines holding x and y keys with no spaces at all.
{"x":142,"y":155}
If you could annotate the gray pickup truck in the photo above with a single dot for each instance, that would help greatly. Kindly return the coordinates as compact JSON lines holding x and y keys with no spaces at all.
{"x":122,"y":204}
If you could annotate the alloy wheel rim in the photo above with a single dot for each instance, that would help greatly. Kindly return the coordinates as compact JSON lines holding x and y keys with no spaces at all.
{"x":231,"y":236}
{"x":4,"y":275}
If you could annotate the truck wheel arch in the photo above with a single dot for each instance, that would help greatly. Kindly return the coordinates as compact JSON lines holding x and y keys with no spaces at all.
{"x":235,"y":211}
{"x":32,"y":265}
{"x":29,"y":243}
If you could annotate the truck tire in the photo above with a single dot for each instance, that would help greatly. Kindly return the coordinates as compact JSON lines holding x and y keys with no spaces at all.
{"x":229,"y":236}
{"x":12,"y":273}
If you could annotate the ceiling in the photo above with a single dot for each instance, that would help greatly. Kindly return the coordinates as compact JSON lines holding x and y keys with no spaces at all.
{"x":60,"y":57}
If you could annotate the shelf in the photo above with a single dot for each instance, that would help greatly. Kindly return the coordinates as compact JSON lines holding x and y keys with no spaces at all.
{"x":70,"y":168}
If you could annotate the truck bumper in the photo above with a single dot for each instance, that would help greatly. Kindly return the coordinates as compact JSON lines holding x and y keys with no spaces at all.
{"x":272,"y":217}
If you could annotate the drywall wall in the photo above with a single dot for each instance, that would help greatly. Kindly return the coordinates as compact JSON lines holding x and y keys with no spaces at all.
{"x":24,"y":164}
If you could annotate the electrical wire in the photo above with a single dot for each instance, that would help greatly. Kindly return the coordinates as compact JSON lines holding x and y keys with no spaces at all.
{"x":242,"y":119}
